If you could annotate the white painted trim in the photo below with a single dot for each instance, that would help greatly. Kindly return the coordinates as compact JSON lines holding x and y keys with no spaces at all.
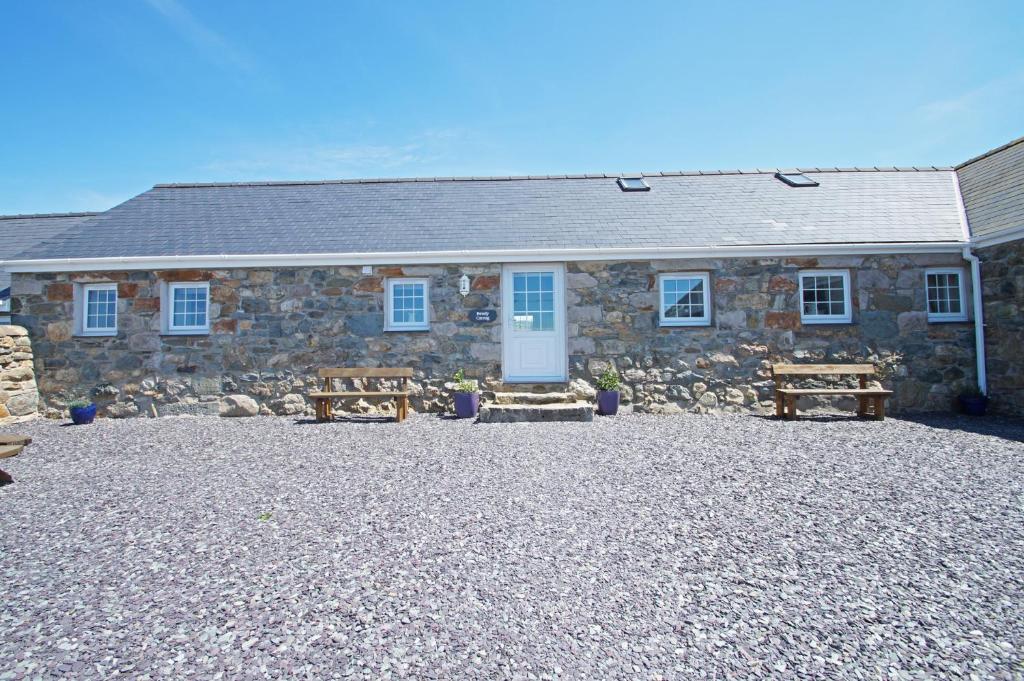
{"x":467,"y":257}
{"x":80,"y":298}
{"x":965,"y":227}
{"x":847,"y":298}
{"x":562,"y":321}
{"x":680,"y":322}
{"x":390,"y":325}
{"x":1005,"y":236}
{"x":939,"y":317}
{"x":167,"y":309}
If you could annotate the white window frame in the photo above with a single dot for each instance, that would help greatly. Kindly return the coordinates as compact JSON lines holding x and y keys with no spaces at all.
{"x":81,"y":311}
{"x":389,"y":285}
{"x":846,"y":318}
{"x":689,"y":321}
{"x":167,"y":326}
{"x":960,"y":316}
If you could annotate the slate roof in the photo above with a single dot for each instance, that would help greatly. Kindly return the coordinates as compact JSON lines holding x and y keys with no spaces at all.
{"x":20,"y":232}
{"x":566,"y":211}
{"x":993,"y":189}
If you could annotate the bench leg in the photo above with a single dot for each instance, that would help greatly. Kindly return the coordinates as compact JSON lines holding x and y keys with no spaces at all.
{"x":790,"y":407}
{"x":880,"y":408}
{"x":780,"y":407}
{"x":862,"y":406}
{"x":401,"y":408}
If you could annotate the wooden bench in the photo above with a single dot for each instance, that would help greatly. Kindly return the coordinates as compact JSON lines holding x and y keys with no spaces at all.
{"x":324,"y":398}
{"x":11,"y":445}
{"x":870,"y":401}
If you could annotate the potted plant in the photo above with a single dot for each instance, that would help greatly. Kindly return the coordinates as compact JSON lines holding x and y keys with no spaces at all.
{"x":82,"y":412}
{"x":467,"y":396}
{"x":608,"y":392}
{"x":973,"y":402}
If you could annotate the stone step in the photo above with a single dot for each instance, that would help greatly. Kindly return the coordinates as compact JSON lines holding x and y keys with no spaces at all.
{"x":517,"y":413}
{"x":534,"y":398}
{"x":530,"y":388}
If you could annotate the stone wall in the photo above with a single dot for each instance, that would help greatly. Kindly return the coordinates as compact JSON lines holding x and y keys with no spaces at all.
{"x":19,"y":398}
{"x":613,"y":319}
{"x":271,"y":329}
{"x":1002,"y":280}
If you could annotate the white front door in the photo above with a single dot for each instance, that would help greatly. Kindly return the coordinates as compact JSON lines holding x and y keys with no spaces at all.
{"x":533,"y":319}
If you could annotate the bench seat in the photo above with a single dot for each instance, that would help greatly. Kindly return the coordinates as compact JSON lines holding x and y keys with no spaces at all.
{"x":323,"y":398}
{"x":870,"y":401}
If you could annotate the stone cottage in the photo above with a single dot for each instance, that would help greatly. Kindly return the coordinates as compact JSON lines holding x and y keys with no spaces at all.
{"x":689,"y":283}
{"x":993,"y":191}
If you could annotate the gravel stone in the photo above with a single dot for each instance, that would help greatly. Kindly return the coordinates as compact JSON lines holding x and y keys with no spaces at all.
{"x":630,"y":547}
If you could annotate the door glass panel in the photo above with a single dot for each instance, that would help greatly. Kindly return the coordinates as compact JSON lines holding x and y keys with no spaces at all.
{"x":533,"y":301}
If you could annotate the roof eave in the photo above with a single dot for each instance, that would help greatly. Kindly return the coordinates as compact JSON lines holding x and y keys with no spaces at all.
{"x":470,"y":257}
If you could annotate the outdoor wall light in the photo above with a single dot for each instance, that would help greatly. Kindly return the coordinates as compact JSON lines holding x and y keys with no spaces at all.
{"x":464,"y":285}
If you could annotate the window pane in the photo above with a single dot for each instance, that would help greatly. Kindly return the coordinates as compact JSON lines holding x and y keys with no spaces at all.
{"x":100,"y":309}
{"x":943,"y":289}
{"x":189,"y":307}
{"x":408,"y":303}
{"x":683,"y":298}
{"x":824,"y":295}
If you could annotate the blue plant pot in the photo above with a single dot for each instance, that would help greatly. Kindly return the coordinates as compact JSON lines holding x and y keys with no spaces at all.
{"x":467,"y":405}
{"x":973,"y":405}
{"x":607,"y":402}
{"x":83,"y":415}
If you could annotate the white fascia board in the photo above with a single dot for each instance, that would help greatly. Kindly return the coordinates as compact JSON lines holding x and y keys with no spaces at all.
{"x":1012,"y":234}
{"x":965,"y":225}
{"x":468,"y":257}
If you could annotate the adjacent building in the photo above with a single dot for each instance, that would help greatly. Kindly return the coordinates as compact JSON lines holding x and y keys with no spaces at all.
{"x":20,"y":232}
{"x":993,"y":191}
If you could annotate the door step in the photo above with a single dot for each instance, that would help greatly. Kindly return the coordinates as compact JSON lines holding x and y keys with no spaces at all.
{"x":533,"y":398}
{"x":532,"y":388}
{"x":518,"y":413}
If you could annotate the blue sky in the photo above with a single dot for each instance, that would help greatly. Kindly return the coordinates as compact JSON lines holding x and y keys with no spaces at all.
{"x":104,"y":99}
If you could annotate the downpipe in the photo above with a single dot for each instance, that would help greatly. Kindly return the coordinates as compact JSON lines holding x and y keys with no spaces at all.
{"x":979,"y":318}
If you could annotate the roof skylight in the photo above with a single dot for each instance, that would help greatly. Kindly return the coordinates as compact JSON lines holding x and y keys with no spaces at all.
{"x":797,"y":179}
{"x":634,"y":184}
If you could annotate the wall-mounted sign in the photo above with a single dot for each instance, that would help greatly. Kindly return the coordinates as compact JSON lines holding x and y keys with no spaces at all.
{"x":482,"y":316}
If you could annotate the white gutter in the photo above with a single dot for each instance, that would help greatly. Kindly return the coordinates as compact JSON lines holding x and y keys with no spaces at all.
{"x":467,"y":256}
{"x":979,"y":304}
{"x":979,"y":318}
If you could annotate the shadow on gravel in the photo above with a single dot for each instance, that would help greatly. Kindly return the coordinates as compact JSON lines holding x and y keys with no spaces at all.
{"x":815,"y":418}
{"x":354,"y":418}
{"x":995,"y":426}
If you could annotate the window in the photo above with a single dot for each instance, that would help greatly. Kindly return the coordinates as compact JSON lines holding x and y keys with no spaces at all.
{"x":796,"y":179}
{"x":407,"y":305}
{"x":95,"y":309}
{"x":633,"y":184}
{"x":185,"y":308}
{"x":533,"y":301}
{"x":944,"y":291}
{"x":685,"y":299}
{"x":825,"y":297}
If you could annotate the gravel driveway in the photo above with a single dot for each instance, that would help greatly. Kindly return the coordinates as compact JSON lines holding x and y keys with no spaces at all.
{"x":631,"y":547}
